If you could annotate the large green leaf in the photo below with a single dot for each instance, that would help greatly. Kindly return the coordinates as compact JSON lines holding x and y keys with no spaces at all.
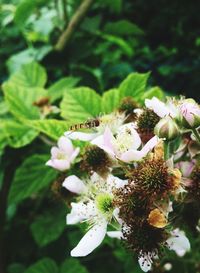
{"x":30,"y":75}
{"x":52,"y":127}
{"x":110,"y":100}
{"x":79,"y":104}
{"x":20,"y":100}
{"x":153,"y":92}
{"x":32,"y":176}
{"x":73,"y":265}
{"x":134,"y":85}
{"x":57,"y":90}
{"x":45,"y":265}
{"x":17,"y":134}
{"x":52,"y":221}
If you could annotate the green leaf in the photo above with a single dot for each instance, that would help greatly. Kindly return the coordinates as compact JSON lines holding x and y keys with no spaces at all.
{"x":153,"y":92}
{"x":57,"y":90}
{"x":73,"y":265}
{"x":3,"y":108}
{"x":134,"y":85}
{"x":32,"y":176}
{"x":30,"y":75}
{"x":20,"y":100}
{"x":23,"y":11}
{"x":52,"y":221}
{"x":110,"y":100}
{"x":45,"y":265}
{"x":16,"y":268}
{"x":79,"y":104}
{"x":122,"y":27}
{"x":18,"y":135}
{"x":50,"y":127}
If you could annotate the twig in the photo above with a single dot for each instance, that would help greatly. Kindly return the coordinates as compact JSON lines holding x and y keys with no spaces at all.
{"x":73,"y":24}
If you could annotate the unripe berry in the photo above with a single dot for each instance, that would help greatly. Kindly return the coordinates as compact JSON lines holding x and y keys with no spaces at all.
{"x":167,"y":128}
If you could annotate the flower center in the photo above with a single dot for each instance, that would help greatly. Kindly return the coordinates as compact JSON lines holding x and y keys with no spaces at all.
{"x":124,"y":141}
{"x":104,"y":203}
{"x":61,"y":156}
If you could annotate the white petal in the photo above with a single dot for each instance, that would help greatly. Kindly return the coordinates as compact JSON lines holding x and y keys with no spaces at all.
{"x":114,"y":181}
{"x":157,"y":106}
{"x":150,"y":145}
{"x":65,"y":145}
{"x":115,"y":234}
{"x":80,"y":212}
{"x":59,"y":164}
{"x":54,"y":152}
{"x":74,"y":154}
{"x":179,"y":242}
{"x":74,"y":184}
{"x":136,"y":137}
{"x":91,"y":240}
{"x":145,"y":263}
{"x":105,"y":141}
{"x":81,"y":136}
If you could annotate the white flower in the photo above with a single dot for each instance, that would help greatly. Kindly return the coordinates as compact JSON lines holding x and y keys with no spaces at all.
{"x":124,"y":145}
{"x":178,"y":242}
{"x":162,"y":109}
{"x":95,"y":207}
{"x":113,"y":121}
{"x":63,"y":155}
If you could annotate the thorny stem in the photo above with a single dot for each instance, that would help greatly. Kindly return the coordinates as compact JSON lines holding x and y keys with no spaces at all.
{"x":73,"y":24}
{"x":196,"y":134}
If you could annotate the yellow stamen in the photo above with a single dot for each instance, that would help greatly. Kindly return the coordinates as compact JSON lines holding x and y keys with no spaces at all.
{"x":157,"y":219}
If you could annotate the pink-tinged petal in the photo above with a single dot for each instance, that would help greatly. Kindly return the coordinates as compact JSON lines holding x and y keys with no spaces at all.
{"x":185,"y":167}
{"x":91,"y":240}
{"x":132,"y":155}
{"x":157,"y":106}
{"x":58,"y":164}
{"x":74,"y":184}
{"x":54,"y":152}
{"x":115,"y":234}
{"x":81,"y":136}
{"x":105,"y":142}
{"x":150,"y":145}
{"x":74,"y":154}
{"x":65,"y":145}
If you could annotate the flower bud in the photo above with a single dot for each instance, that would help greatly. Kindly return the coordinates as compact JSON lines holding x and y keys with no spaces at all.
{"x":189,"y":113}
{"x":167,"y":128}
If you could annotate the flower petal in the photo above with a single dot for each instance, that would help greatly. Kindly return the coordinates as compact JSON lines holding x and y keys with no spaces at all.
{"x":65,"y":144}
{"x":157,"y":106}
{"x":81,"y":136}
{"x":131,"y":128}
{"x":74,"y":154}
{"x":145,"y":263}
{"x":59,"y":164}
{"x":91,"y":240}
{"x":178,"y":242}
{"x":105,"y":141}
{"x":74,"y":184}
{"x":115,"y":234}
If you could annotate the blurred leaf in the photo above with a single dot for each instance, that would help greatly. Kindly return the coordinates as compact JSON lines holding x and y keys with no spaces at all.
{"x":153,"y":92}
{"x":3,"y":108}
{"x":32,"y":176}
{"x":30,"y":75}
{"x":134,"y":85}
{"x":23,"y":11}
{"x":73,"y":265}
{"x":45,"y":265}
{"x":16,"y":268}
{"x":52,"y":221}
{"x":52,"y":127}
{"x":18,"y":135}
{"x":110,"y":100}
{"x":122,"y":27}
{"x":16,"y":61}
{"x":121,"y":43}
{"x":79,"y":104}
{"x":20,"y":100}
{"x":57,"y":90}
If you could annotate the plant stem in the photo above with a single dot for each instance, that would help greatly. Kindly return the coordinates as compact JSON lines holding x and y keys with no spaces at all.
{"x":196,"y":134}
{"x":166,"y":149}
{"x":73,"y":24}
{"x":65,"y":15}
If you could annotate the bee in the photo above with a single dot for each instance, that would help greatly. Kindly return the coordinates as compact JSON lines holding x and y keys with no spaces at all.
{"x":91,"y":123}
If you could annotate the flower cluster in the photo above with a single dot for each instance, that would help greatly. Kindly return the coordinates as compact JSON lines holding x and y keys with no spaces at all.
{"x":136,"y":167}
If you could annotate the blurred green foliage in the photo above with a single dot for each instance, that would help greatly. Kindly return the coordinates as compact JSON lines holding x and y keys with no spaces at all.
{"x":115,"y":39}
